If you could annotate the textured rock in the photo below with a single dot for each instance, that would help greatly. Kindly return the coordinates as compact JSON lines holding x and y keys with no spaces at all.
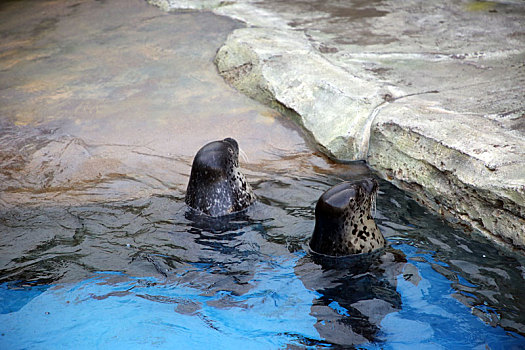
{"x":471,"y":169}
{"x":274,"y":66}
{"x":431,"y":94}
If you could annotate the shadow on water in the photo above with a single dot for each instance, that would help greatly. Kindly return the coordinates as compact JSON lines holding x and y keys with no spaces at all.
{"x":98,"y":126}
{"x":355,"y":293}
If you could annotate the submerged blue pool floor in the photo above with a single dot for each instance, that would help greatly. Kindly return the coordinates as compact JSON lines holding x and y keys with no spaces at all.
{"x":112,"y":310}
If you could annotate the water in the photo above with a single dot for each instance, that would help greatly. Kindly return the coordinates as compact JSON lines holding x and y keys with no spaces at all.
{"x":98,"y":128}
{"x":147,"y":274}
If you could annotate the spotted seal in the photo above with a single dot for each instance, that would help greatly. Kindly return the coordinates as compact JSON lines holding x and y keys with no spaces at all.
{"x":217,"y":187}
{"x":343,"y":221}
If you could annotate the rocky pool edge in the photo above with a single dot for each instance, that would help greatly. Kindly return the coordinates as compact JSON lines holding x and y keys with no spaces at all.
{"x":470,"y":171}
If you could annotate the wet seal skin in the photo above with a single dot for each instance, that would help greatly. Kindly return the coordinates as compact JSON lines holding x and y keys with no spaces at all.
{"x":343,"y":220}
{"x":217,"y":187}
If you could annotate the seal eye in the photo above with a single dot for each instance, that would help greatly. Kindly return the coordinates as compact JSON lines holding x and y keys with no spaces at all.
{"x":230,"y":150}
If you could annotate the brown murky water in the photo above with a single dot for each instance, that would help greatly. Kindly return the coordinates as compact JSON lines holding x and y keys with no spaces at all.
{"x":104,"y":101}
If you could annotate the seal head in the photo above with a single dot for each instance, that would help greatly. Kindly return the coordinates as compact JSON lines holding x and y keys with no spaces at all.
{"x":343,"y":221}
{"x":217,"y":187}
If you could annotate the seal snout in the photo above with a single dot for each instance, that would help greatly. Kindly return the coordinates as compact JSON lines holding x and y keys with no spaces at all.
{"x":233,"y":143}
{"x":369,"y":185}
{"x":338,"y":197}
{"x":345,"y":194}
{"x":343,"y":223}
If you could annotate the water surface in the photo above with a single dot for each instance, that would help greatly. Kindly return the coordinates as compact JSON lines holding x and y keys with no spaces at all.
{"x":102,"y":107}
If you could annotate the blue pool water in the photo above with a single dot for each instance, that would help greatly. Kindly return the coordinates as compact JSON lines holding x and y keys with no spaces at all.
{"x":112,"y":310}
{"x":239,"y":284}
{"x":133,"y":312}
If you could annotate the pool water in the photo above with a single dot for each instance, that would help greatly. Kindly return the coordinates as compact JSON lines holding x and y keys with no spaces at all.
{"x":159,"y":277}
{"x":102,"y":106}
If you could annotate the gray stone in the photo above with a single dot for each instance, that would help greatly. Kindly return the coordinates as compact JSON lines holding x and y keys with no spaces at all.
{"x":275,"y":66}
{"x":432,"y":95}
{"x":471,"y":168}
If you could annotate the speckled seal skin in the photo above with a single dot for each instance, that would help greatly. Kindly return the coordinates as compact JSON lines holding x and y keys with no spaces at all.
{"x":217,"y":187}
{"x":343,"y":220}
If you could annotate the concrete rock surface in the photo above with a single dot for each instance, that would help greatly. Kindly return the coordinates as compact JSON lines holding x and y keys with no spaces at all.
{"x":432,"y":95}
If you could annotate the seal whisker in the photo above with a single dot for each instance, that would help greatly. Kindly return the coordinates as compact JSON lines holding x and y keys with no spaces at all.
{"x":243,"y":155}
{"x":374,"y":204}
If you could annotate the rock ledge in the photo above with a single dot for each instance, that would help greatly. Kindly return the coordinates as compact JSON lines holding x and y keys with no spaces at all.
{"x":432,"y":96}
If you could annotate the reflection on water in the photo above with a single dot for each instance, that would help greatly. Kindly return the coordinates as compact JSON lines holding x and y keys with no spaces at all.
{"x":98,"y":127}
{"x":252,"y":278}
{"x":117,"y":110}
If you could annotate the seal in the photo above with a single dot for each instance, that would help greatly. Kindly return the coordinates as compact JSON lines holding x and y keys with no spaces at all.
{"x":343,"y":220}
{"x":217,"y":187}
